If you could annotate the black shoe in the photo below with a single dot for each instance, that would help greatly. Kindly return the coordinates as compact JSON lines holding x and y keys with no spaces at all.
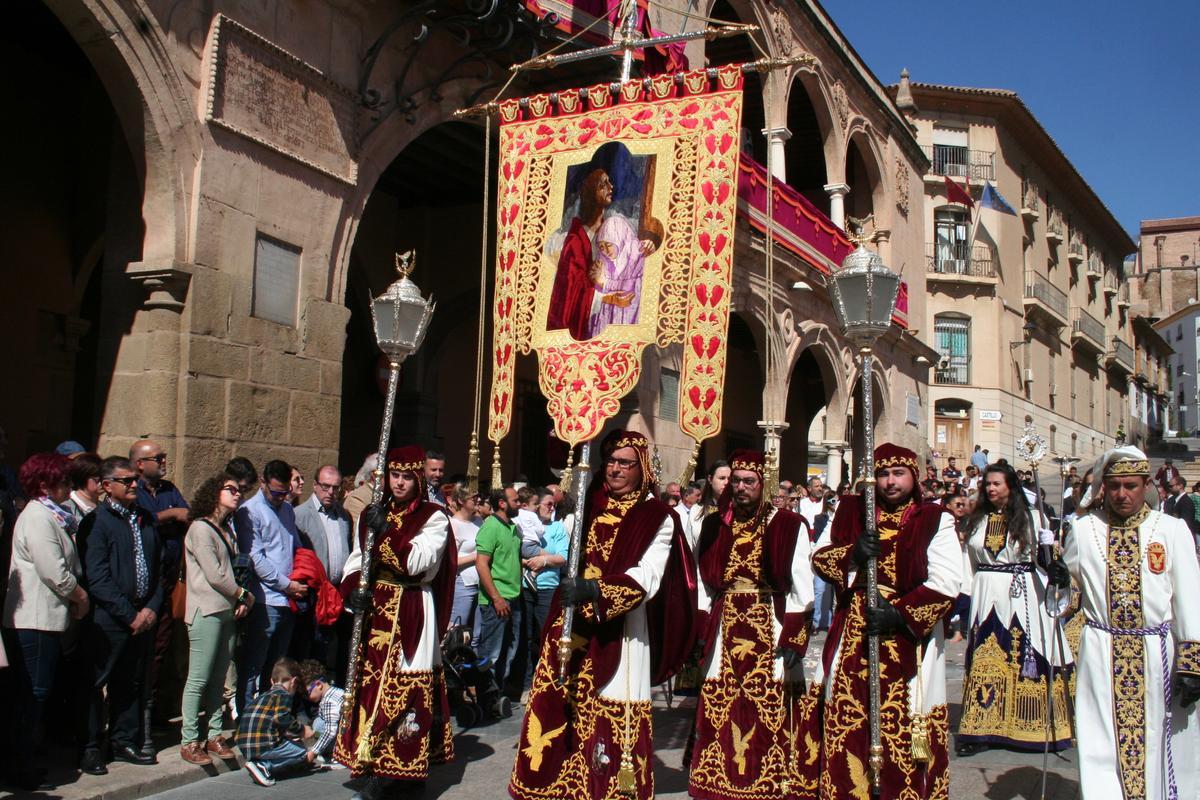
{"x":968,"y":750}
{"x":93,"y":763}
{"x":149,"y":752}
{"x":124,"y":752}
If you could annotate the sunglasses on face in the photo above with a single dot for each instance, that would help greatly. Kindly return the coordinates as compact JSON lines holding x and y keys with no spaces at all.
{"x":279,"y":492}
{"x":160,"y":458}
{"x":127,"y":481}
{"x":231,"y":489}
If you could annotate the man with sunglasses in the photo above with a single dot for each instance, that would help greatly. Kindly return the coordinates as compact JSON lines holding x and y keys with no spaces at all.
{"x":121,"y":557}
{"x":163,"y":501}
{"x":266,"y":530}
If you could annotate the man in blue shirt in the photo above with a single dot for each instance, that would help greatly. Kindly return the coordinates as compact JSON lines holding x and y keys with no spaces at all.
{"x":266,"y":531}
{"x":979,"y":459}
{"x":165,"y":504}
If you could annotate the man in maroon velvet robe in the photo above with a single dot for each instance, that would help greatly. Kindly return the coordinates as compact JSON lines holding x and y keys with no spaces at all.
{"x":395,"y":719}
{"x":634,"y":614}
{"x":919,"y":569}
{"x":756,"y":593}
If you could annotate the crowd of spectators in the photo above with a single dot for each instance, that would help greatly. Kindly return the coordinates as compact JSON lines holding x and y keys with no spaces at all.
{"x":128,"y":610}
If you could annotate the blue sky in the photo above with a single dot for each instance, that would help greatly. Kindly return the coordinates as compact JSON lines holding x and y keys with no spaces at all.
{"x":1117,"y":84}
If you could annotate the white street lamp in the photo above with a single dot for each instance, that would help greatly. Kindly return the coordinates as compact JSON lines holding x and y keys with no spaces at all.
{"x":864,"y":293}
{"x":400,"y":317}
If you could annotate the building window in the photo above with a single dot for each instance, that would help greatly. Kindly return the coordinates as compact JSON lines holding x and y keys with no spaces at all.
{"x":952,"y":247}
{"x":950,"y":154}
{"x":952,"y":338}
{"x":668,"y":395}
{"x":276,"y":281}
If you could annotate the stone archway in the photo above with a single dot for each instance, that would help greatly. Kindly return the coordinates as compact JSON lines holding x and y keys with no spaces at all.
{"x":865,"y":177}
{"x":71,"y":223}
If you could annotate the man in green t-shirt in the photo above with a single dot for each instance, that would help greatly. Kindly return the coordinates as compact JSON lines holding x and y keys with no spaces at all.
{"x":498,"y":561}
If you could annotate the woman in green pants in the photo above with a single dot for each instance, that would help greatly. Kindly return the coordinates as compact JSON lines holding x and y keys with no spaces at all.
{"x":215,"y":601}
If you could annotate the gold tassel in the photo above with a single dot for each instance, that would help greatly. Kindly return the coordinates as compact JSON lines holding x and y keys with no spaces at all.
{"x":921,"y":750}
{"x":496,"y":481}
{"x":626,"y":783}
{"x":473,"y":463}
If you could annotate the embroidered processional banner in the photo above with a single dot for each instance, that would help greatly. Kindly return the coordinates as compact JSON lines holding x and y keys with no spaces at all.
{"x":615,"y":223}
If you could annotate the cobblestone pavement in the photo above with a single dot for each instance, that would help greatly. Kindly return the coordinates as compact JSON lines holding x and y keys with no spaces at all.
{"x":485,"y":757}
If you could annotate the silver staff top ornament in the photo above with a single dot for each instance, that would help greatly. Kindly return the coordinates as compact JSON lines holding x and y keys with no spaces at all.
{"x":1031,"y":446}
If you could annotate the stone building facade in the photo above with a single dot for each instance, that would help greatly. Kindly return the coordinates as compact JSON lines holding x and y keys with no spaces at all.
{"x":196,"y":233}
{"x":1029,"y":311}
{"x":1165,"y":276}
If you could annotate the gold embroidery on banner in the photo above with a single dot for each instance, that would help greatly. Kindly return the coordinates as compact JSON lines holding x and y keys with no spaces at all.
{"x":401,"y":694}
{"x":1128,"y":652}
{"x":830,"y":560}
{"x":677,"y":249}
{"x":536,"y":741}
{"x":602,"y":535}
{"x":533,"y":234}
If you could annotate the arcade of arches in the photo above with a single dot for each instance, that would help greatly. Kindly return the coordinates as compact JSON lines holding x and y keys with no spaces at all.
{"x":135,"y":230}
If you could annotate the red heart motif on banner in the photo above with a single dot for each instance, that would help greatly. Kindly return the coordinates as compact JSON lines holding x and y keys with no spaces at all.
{"x":694,"y":396}
{"x":710,"y":142}
{"x":642,"y":127}
{"x":713,"y":345}
{"x":541,"y":144}
{"x":705,"y":241}
{"x":710,"y":397}
{"x":506,"y":261}
{"x":587,"y":137}
{"x":502,"y":356}
{"x":503,"y":307}
{"x":690,"y":123}
{"x":726,"y":140}
{"x":719,"y":244}
{"x":717,"y":293}
{"x":545,"y":130}
{"x":689,"y":109}
{"x":702,"y":294}
{"x":698,"y":345}
{"x":706,"y":189}
{"x":500,"y":402}
{"x":723,"y":193}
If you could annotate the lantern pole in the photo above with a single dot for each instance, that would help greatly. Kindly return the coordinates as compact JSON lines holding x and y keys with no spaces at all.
{"x":397,"y":349}
{"x":864,"y":272}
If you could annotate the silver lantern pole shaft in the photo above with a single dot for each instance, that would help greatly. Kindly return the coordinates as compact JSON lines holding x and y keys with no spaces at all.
{"x":573,"y":556}
{"x":867,"y":362}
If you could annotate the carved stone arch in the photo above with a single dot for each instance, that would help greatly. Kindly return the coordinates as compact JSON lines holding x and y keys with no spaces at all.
{"x":859,"y":136}
{"x":813,"y":83}
{"x":377,"y":151}
{"x":127,"y":50}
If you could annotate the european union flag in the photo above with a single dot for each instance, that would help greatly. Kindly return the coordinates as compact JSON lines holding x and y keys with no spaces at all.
{"x":991,"y":198}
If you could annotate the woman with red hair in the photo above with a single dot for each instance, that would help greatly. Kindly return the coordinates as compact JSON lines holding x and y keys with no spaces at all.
{"x":44,"y":596}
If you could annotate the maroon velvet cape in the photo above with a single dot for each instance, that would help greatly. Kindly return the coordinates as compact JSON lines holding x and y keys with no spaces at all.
{"x":670,"y":617}
{"x":412,"y":610}
{"x":714,"y":546}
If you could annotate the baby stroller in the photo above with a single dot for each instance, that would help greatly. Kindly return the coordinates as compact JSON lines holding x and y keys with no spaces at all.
{"x":470,"y":685}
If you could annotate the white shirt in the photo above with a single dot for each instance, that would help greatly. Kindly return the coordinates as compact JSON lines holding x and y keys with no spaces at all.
{"x":809,"y":509}
{"x":530,"y":525}
{"x":465,"y":531}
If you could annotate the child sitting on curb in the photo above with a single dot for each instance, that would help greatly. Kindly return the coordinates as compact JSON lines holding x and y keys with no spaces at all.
{"x":328,"y":700}
{"x":269,"y":734}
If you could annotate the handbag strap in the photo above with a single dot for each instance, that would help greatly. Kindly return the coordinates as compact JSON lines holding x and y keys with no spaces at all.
{"x":224,"y":540}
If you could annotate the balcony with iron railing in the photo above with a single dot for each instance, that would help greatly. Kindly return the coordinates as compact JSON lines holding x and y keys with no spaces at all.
{"x":953,"y":370}
{"x":1042,"y":296}
{"x":1110,"y":282}
{"x":1123,"y":296}
{"x":1120,"y":356}
{"x":959,"y":162}
{"x":1054,"y":225}
{"x":1030,"y":204}
{"x":1094,"y":266}
{"x":1075,"y":250}
{"x":952,"y":261}
{"x":1087,"y":330}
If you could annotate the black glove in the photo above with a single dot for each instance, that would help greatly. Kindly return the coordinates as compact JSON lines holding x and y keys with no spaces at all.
{"x":1187,"y":687}
{"x":376,"y":515}
{"x":361,"y":600}
{"x":884,"y":619}
{"x":577,"y":591}
{"x":866,"y":548}
{"x":791,"y":659}
{"x":1058,"y":574}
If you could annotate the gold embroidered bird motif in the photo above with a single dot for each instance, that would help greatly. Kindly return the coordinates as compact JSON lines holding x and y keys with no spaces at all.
{"x":740,"y":745}
{"x":741,"y":648}
{"x":858,"y":777}
{"x":814,"y":750}
{"x":537,"y":742}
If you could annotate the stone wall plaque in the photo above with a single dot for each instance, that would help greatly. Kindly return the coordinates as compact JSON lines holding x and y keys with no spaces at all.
{"x":258,"y":90}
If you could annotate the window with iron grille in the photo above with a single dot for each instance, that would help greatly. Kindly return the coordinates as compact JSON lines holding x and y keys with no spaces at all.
{"x":668,"y":395}
{"x":952,"y":250}
{"x":952,"y":338}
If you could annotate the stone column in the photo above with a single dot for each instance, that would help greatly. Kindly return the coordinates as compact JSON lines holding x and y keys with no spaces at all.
{"x":837,"y":202}
{"x":882,"y":238}
{"x":776,"y":141}
{"x":833,"y":462}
